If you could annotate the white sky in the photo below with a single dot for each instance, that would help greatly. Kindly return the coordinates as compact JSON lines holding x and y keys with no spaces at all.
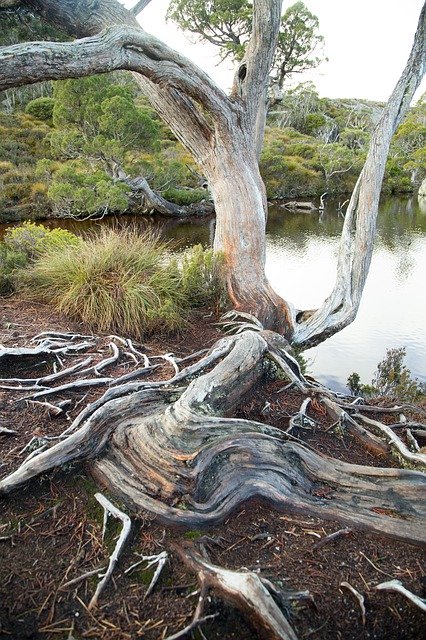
{"x":367,"y":44}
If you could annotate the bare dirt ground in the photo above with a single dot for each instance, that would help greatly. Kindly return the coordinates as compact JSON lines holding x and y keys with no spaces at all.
{"x":51,"y":532}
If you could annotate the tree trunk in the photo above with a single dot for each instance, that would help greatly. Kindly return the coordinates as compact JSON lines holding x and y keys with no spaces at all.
{"x":241,"y":210}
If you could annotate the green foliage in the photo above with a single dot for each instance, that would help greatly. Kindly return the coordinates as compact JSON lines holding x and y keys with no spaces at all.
{"x":41,"y":108}
{"x":32,"y":240}
{"x":392,"y":379}
{"x":10,"y":261}
{"x":185,"y":196}
{"x":201,"y":274}
{"x":77,"y":190}
{"x":100,"y":106}
{"x":117,"y":281}
{"x":227,"y":24}
{"x":224,"y":23}
{"x":297,"y":42}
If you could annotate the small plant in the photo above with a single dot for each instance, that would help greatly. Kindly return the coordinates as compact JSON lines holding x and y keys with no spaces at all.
{"x":392,"y":379}
{"x":33,"y":239}
{"x":201,"y":276}
{"x":10,"y":261}
{"x":119,"y":280}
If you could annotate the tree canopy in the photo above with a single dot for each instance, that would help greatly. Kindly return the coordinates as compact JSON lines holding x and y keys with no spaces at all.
{"x":227,"y":24}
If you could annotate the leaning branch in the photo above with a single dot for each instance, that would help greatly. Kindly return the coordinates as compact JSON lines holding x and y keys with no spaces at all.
{"x":114,"y":48}
{"x":358,"y":234}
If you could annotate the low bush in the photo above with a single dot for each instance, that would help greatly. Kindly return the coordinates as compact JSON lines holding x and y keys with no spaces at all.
{"x":392,"y":379}
{"x":184,"y":197}
{"x":118,"y":281}
{"x":33,"y":239}
{"x":201,"y":276}
{"x":9,"y":261}
{"x":41,"y":108}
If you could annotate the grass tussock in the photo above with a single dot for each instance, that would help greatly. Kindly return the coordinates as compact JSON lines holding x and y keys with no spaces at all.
{"x":115,"y":281}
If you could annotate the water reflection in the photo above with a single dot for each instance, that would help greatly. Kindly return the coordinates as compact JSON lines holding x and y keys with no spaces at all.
{"x":301,"y":264}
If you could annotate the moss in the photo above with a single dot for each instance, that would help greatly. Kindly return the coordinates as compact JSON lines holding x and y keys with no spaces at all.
{"x":193,"y":535}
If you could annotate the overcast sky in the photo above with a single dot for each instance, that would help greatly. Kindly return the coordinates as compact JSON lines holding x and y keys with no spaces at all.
{"x":367,"y":43}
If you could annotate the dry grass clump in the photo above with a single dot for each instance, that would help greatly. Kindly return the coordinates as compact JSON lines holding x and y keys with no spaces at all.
{"x":119,"y":280}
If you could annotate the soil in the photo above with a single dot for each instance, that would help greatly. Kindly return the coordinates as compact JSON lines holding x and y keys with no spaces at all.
{"x":51,"y":531}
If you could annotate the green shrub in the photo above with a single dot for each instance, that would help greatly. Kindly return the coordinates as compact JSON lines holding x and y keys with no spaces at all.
{"x":41,"y":108}
{"x":392,"y":379}
{"x":9,"y":261}
{"x":118,"y":281}
{"x":33,"y":239}
{"x":201,"y":276}
{"x":184,"y":197}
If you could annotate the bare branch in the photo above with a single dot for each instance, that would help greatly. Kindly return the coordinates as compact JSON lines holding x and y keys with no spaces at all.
{"x":396,"y":585}
{"x":127,"y":523}
{"x":139,"y":6}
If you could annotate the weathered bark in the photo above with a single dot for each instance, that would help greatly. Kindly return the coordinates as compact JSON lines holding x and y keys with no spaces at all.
{"x":224,"y":136}
{"x":175,"y":452}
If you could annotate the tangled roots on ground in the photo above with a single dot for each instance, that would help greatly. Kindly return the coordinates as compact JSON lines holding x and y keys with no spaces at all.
{"x":172,"y":448}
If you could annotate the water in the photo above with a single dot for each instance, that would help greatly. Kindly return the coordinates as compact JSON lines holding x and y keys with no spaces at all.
{"x":301,"y":263}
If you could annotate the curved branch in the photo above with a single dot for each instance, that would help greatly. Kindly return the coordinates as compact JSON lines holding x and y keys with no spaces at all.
{"x":114,"y":48}
{"x":357,"y":241}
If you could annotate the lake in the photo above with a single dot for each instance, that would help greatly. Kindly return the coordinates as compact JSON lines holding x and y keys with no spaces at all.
{"x":301,"y":258}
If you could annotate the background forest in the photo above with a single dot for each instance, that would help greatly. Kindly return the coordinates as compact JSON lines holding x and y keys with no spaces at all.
{"x":63,"y":144}
{"x":74,"y":147}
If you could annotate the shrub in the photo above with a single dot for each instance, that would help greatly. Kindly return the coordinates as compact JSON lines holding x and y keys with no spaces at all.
{"x":201,"y":276}
{"x":33,"y":239}
{"x":392,"y":379}
{"x":184,"y":197}
{"x":119,"y":280}
{"x":9,"y":261}
{"x":41,"y":108}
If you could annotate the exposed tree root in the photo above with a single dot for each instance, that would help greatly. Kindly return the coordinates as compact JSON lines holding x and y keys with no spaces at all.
{"x":245,"y":590}
{"x":398,"y":587}
{"x":175,"y":451}
{"x":109,"y":508}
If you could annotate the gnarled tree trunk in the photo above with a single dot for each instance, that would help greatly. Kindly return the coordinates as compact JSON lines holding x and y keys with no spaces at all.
{"x":224,"y":135}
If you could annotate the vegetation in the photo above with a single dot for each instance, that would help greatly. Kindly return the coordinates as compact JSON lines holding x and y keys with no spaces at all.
{"x":61,"y":155}
{"x":392,"y":379}
{"x":120,"y":280}
{"x":25,"y":244}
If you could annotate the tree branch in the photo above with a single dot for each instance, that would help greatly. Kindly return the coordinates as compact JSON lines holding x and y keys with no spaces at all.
{"x":252,"y":76}
{"x":359,"y":229}
{"x":139,"y":7}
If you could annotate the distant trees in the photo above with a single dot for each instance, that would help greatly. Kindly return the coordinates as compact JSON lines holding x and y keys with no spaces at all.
{"x":227,"y":25}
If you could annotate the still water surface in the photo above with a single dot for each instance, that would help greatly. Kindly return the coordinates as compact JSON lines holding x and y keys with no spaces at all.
{"x":301,"y":262}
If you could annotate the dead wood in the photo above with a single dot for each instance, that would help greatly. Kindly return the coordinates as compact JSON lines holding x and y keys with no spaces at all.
{"x":245,"y":590}
{"x":398,"y":587}
{"x":109,"y":508}
{"x":175,"y":451}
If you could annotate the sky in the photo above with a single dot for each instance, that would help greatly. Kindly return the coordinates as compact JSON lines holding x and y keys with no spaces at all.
{"x":367,"y":43}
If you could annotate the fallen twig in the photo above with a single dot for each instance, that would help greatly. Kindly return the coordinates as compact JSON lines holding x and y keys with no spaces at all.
{"x":396,"y":585}
{"x":109,"y":508}
{"x":160,"y":560}
{"x":332,"y":536}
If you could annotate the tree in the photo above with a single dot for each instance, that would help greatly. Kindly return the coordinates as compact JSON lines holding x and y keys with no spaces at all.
{"x":227,"y":25}
{"x":184,"y":459}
